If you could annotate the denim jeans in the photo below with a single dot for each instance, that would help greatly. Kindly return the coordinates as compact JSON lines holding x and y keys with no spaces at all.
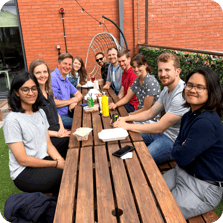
{"x":67,"y":121}
{"x":129,"y":107}
{"x":159,"y":146}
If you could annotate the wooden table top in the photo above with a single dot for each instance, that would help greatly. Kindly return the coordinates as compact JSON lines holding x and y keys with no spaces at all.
{"x":99,"y":187}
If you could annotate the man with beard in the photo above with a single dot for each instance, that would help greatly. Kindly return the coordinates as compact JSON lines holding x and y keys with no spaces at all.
{"x":101,"y":61}
{"x":160,"y":136}
{"x":114,"y":78}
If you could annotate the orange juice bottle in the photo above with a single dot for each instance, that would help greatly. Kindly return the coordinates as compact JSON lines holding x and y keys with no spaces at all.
{"x":104,"y":102}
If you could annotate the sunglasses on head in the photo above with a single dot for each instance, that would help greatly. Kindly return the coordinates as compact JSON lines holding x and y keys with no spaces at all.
{"x":99,"y":59}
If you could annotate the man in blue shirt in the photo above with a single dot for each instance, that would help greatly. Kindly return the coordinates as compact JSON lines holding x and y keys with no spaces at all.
{"x":114,"y":77}
{"x":63,"y":89}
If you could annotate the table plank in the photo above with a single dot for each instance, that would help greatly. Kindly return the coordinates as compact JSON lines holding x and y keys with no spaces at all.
{"x":64,"y":213}
{"x":105,"y":199}
{"x":77,"y":117}
{"x":144,"y":198}
{"x":124,"y":197}
{"x":169,"y":208}
{"x":97,"y":127}
{"x":87,"y":123}
{"x":85,"y":193}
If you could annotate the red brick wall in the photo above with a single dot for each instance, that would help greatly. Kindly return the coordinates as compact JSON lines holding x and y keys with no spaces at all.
{"x":193,"y":24}
{"x":181,"y":23}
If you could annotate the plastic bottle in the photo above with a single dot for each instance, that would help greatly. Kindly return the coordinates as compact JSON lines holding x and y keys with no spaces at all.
{"x":90,"y":101}
{"x":105,"y":108}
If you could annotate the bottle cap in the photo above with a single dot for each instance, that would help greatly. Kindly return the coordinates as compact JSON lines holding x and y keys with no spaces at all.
{"x":103,"y":93}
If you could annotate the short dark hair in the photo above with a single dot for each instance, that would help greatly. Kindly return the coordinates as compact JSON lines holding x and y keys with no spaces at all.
{"x":140,"y":59}
{"x":122,"y":53}
{"x":14,"y":101}
{"x":215,"y":91}
{"x":100,"y":53}
{"x":64,"y":56}
{"x":111,"y":48}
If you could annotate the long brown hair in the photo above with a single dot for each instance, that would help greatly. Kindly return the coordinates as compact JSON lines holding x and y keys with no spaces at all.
{"x":36,"y":63}
{"x":82,"y":71}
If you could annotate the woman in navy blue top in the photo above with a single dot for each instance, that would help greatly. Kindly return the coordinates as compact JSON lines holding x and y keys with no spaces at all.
{"x":197,"y":181}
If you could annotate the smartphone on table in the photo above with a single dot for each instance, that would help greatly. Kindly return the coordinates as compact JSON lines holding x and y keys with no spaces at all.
{"x":123,"y":151}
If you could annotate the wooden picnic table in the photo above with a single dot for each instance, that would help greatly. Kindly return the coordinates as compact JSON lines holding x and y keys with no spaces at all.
{"x":99,"y":187}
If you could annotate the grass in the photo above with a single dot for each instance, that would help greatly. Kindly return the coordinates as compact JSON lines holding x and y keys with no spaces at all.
{"x":8,"y":188}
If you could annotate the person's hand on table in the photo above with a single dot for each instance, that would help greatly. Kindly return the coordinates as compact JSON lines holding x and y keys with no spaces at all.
{"x":112,"y":106}
{"x":106,"y":87}
{"x":71,"y":106}
{"x":120,"y":123}
{"x":79,"y":85}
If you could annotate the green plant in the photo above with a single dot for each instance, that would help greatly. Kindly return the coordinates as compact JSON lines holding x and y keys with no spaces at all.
{"x":188,"y":62}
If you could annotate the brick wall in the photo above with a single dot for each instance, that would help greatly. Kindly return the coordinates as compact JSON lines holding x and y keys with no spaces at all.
{"x":181,"y":23}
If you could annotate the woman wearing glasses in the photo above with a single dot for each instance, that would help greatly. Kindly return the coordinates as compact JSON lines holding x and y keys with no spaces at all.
{"x":58,"y":134}
{"x":197,"y":181}
{"x":35,"y":164}
{"x":78,"y":74}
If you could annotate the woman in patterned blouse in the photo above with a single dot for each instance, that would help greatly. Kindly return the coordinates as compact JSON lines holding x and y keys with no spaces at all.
{"x":145,"y":86}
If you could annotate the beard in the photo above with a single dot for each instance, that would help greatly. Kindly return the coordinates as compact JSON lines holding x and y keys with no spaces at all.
{"x":166,"y":81}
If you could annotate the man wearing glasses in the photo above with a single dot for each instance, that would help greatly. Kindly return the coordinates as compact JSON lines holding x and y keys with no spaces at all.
{"x":63,"y":89}
{"x":101,"y":61}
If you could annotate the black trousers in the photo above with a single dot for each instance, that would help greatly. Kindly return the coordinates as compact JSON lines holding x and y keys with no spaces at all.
{"x":61,"y":145}
{"x":44,"y":179}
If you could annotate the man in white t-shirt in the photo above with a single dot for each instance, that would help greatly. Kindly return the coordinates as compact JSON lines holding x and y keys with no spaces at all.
{"x":114,"y":76}
{"x":160,"y":136}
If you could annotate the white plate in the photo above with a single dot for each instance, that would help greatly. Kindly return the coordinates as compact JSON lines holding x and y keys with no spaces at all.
{"x":107,"y":135}
{"x":88,"y":85}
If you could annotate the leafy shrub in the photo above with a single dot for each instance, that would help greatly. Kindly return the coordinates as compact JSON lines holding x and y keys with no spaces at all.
{"x":188,"y":62}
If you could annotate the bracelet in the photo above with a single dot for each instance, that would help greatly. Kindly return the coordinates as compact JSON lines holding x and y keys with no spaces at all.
{"x":56,"y":163}
{"x":58,"y":158}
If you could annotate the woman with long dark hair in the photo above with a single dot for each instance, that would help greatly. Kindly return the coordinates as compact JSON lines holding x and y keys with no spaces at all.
{"x":35,"y":164}
{"x":58,"y":134}
{"x":78,"y":74}
{"x":197,"y":181}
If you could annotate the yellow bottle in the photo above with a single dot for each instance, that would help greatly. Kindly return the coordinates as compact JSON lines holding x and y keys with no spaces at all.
{"x":105,"y":108}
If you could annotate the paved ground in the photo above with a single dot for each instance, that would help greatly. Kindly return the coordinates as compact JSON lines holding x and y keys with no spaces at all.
{"x":4,"y":111}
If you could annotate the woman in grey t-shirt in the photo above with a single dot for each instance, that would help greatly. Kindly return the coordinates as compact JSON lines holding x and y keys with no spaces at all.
{"x":35,"y":164}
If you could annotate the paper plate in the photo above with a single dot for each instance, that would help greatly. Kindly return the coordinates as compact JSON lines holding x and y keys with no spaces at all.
{"x":107,"y":135}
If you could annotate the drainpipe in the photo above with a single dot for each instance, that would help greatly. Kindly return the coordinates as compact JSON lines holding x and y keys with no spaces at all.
{"x":121,"y":22}
{"x":146,"y":21}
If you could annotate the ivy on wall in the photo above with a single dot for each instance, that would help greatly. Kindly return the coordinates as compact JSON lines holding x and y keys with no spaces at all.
{"x":188,"y":62}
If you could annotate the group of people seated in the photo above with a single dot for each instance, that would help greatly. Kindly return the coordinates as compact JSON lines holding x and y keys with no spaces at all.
{"x":189,"y":130}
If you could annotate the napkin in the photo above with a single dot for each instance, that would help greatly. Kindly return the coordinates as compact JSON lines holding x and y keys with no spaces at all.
{"x":127,"y":156}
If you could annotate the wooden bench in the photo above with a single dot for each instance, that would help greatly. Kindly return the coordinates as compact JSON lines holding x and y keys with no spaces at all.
{"x":208,"y":217}
{"x":2,"y":105}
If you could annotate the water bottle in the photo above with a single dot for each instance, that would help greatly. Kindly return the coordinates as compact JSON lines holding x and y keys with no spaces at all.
{"x":105,"y":108}
{"x":90,"y":101}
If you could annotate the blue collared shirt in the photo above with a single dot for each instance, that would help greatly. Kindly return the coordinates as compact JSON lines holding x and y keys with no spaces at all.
{"x":62,"y":90}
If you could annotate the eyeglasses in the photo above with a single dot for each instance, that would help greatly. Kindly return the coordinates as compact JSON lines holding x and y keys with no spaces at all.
{"x":198,"y":88}
{"x":26,"y":90}
{"x":97,"y":60}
